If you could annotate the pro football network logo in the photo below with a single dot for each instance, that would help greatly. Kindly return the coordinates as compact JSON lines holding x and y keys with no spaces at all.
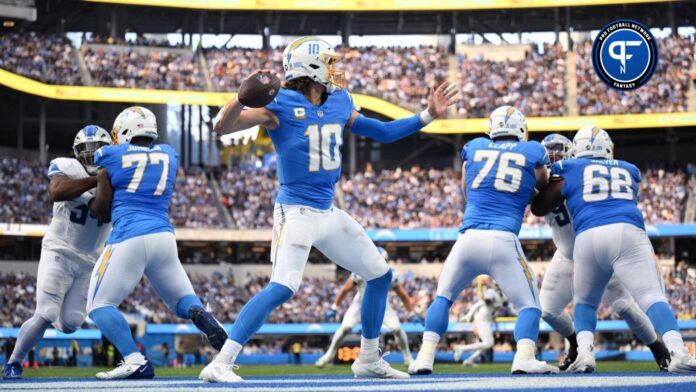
{"x":624,"y":54}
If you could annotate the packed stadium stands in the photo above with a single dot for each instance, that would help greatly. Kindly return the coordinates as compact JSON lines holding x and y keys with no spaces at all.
{"x":401,"y":75}
{"x":408,"y":198}
{"x":227,"y":293}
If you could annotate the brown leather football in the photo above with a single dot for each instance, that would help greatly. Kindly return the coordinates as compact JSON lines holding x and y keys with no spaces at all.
{"x":259,"y":89}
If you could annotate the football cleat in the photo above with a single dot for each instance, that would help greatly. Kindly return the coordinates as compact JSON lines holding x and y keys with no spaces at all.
{"x":324,"y":360}
{"x":584,"y":363}
{"x":129,"y":371}
{"x":569,"y":358}
{"x":532,"y":366}
{"x":469,"y":362}
{"x":12,"y":371}
{"x":377,"y":369}
{"x":212,"y":329}
{"x":220,"y":372}
{"x":661,"y":355}
{"x":682,"y":364}
{"x":420,"y":366}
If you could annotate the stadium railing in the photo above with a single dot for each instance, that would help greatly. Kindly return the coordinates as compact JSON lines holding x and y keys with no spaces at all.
{"x":374,"y":104}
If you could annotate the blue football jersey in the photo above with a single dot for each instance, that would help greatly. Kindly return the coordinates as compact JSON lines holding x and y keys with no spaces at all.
{"x":500,"y":182}
{"x":308,"y":143}
{"x":600,"y":192}
{"x":143,"y":179}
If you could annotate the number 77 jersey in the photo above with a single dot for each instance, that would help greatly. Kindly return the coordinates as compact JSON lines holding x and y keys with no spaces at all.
{"x":600,"y":192}
{"x":500,"y":182}
{"x":143,"y":179}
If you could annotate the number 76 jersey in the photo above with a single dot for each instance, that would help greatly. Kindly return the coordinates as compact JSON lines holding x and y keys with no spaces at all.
{"x":600,"y":192}
{"x":500,"y":182}
{"x":143,"y":179}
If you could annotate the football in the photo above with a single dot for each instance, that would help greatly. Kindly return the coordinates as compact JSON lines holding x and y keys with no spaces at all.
{"x":259,"y":89}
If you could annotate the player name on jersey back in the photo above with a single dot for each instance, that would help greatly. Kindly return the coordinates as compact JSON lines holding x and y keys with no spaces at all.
{"x":500,"y":181}
{"x":143,"y":179}
{"x":600,"y":192}
{"x":72,"y":227}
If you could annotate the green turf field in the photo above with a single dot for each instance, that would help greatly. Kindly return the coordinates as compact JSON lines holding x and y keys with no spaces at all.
{"x":279,"y":370}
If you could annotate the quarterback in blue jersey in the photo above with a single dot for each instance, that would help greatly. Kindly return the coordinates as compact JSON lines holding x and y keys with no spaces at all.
{"x":306,"y":122}
{"x":601,"y":194}
{"x":135,"y":185}
{"x":500,"y":175}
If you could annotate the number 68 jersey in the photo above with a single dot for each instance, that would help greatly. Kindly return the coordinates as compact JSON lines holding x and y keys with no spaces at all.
{"x":600,"y":192}
{"x":72,"y":228}
{"x":143,"y":179}
{"x":500,"y":182}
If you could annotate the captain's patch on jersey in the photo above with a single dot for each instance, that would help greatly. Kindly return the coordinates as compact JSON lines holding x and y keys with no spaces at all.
{"x":300,"y":113}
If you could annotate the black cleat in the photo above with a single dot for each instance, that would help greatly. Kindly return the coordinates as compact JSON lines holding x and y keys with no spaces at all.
{"x":570,"y":357}
{"x":211,"y":328}
{"x":661,"y":355}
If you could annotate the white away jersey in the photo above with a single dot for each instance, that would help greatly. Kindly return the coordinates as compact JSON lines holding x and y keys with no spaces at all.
{"x":562,"y":231}
{"x":72,"y":227}
{"x":360,"y":282}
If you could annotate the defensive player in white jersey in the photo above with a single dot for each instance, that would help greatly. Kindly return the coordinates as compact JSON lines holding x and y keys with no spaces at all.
{"x":483,"y":316}
{"x":306,"y":122}
{"x":69,"y":249}
{"x":557,"y":287}
{"x":601,"y":194}
{"x":500,"y":175}
{"x":352,"y":316}
{"x":135,"y":186}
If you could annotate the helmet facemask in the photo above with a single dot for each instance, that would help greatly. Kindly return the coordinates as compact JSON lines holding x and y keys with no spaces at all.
{"x":557,"y":151}
{"x":333,"y":76}
{"x":84,"y":153}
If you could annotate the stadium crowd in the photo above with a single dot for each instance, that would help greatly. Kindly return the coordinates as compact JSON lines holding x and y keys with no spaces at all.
{"x":665,"y":92}
{"x":400,"y":198}
{"x":226,"y":295}
{"x":401,"y":75}
{"x":130,"y":67}
{"x":48,"y":58}
{"x":535,"y":85}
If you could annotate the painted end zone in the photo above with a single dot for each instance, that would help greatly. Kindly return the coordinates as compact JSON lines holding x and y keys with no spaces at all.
{"x":613,"y":382}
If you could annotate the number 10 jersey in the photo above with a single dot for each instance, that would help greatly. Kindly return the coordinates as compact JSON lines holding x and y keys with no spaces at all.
{"x":308,"y":142}
{"x":500,"y":182}
{"x":72,"y":228}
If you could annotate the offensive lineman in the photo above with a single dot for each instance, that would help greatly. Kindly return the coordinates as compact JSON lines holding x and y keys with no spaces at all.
{"x":69,"y":249}
{"x":557,"y":286}
{"x":500,"y":176}
{"x":482,"y":314}
{"x":306,"y":122}
{"x":352,"y":316}
{"x":135,"y":185}
{"x":601,"y":195}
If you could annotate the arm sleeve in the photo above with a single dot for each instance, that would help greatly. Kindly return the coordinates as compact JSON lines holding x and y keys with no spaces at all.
{"x":386,"y":132}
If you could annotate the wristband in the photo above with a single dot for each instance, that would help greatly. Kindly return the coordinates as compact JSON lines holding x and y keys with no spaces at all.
{"x":334,"y":307}
{"x":425,"y":117}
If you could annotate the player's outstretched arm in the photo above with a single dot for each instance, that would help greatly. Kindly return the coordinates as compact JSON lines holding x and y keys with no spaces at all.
{"x":63,"y":188}
{"x":386,"y":132}
{"x":234,"y":118}
{"x":100,"y":205}
{"x":343,"y":292}
{"x":548,"y":198}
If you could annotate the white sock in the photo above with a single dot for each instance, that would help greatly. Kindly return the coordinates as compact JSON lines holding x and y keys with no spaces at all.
{"x":585,"y":341}
{"x":229,"y":352}
{"x":674,"y":342}
{"x":134,"y":359}
{"x":430,"y":336}
{"x":369,"y":349}
{"x":526,"y":348}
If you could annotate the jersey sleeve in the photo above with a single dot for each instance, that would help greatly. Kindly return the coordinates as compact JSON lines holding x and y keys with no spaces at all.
{"x":350,"y":105}
{"x":557,"y":169}
{"x":635,"y":173}
{"x":468,"y":147}
{"x":541,"y":157}
{"x":63,"y":166}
